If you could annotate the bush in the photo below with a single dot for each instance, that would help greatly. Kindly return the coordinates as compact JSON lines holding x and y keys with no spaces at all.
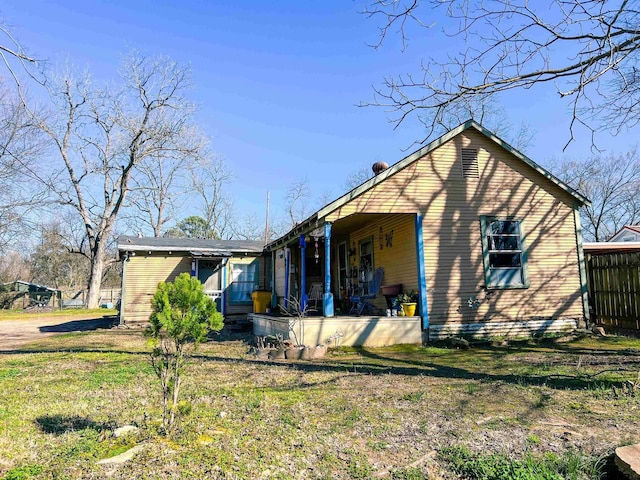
{"x":183,"y":315}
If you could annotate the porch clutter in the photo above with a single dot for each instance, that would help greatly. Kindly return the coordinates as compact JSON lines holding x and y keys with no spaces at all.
{"x":275,"y":347}
{"x":407,"y":302}
{"x":261,"y":301}
{"x":362,"y":303}
{"x":389,"y":292}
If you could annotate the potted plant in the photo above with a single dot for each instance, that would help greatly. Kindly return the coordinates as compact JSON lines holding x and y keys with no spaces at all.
{"x":408,"y":302}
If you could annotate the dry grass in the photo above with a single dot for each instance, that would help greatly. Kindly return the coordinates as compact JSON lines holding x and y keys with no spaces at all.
{"x":366,"y":413}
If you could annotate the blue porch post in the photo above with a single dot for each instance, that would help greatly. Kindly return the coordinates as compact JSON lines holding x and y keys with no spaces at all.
{"x":327,"y":298}
{"x":304,"y":299}
{"x":422,"y":276}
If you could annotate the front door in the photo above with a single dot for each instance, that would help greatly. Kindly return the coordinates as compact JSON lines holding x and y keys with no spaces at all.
{"x":209,"y":274}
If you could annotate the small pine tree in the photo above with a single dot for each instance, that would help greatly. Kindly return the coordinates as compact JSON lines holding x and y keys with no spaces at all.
{"x":182,"y":317}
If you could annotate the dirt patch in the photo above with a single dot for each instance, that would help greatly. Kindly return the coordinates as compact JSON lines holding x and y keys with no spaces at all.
{"x":16,"y":333}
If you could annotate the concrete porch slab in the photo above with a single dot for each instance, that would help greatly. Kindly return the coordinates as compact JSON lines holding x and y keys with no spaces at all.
{"x":342,"y":331}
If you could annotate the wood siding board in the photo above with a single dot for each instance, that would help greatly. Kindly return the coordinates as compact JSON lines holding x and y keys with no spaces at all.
{"x":143,"y":273}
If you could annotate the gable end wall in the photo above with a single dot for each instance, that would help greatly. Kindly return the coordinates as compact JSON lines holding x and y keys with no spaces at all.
{"x":452,"y":207}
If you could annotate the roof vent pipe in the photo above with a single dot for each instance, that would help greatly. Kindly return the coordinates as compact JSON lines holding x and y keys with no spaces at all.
{"x":379,"y":167}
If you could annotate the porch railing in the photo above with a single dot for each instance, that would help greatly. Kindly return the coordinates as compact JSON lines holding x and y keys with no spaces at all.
{"x":214,"y":294}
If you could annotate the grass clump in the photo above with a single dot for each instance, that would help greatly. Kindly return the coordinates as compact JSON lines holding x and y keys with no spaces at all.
{"x":409,"y":473}
{"x":570,"y":465}
{"x":359,"y":467}
{"x":25,"y":472}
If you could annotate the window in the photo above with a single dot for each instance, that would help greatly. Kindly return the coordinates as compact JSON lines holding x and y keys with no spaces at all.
{"x":343,"y":266}
{"x":504,"y":253}
{"x":366,"y":260}
{"x":244,"y":280}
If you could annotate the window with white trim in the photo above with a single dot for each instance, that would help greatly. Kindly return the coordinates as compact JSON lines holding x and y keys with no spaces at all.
{"x":504,"y":253}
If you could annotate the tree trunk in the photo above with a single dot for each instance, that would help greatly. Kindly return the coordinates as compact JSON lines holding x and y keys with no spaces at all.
{"x":95,"y":276}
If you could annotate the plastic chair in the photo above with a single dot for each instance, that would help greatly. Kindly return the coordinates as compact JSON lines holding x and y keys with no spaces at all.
{"x":360,"y":303}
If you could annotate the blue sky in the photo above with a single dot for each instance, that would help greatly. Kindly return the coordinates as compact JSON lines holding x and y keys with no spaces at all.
{"x":277,"y":82}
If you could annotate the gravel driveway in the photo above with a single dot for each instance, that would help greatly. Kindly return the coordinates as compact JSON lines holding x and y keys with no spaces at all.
{"x":15,"y":333}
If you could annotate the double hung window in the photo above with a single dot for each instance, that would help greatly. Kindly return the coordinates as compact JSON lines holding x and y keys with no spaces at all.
{"x":504,"y":253}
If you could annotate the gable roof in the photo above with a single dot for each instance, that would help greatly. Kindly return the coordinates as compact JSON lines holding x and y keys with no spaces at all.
{"x":196,"y":245}
{"x":610,"y":247}
{"x":633,"y":228}
{"x":369,"y":184}
{"x":437,"y":143}
{"x":30,"y":285}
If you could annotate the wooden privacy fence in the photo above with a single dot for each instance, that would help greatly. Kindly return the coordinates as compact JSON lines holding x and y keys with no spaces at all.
{"x":614,"y":289}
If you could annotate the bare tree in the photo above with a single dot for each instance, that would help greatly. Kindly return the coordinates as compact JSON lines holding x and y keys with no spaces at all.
{"x":211,"y":177}
{"x":13,"y":266}
{"x":101,"y":135}
{"x":249,"y":226}
{"x":298,"y":201}
{"x":14,"y":55}
{"x":20,"y":143}
{"x":489,"y":112}
{"x":612,"y":184}
{"x":357,"y":177}
{"x":156,"y":189}
{"x":586,"y":49}
{"x":55,"y":261}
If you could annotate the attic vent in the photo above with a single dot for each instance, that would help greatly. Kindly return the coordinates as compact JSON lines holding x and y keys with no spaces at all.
{"x":469,"y":161}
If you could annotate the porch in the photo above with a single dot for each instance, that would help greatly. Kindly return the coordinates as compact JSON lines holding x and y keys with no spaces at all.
{"x":340,"y":267}
{"x":372,"y":331}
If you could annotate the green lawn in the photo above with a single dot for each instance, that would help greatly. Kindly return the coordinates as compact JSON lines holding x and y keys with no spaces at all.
{"x":494,"y":411}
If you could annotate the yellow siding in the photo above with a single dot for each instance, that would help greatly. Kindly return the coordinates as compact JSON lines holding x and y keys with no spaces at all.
{"x":142,"y":275}
{"x":451,"y":205}
{"x":143,"y":272}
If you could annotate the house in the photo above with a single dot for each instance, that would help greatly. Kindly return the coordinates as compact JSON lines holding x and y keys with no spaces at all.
{"x":229,"y":269}
{"x":490,"y":240}
{"x":628,"y":233}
